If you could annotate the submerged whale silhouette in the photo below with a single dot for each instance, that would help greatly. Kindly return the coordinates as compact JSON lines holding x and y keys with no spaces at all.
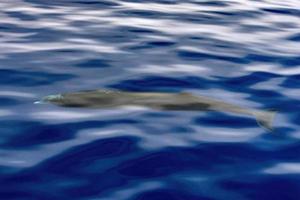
{"x":155,"y":100}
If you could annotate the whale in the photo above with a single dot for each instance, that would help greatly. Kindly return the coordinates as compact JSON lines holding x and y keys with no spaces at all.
{"x":181,"y":101}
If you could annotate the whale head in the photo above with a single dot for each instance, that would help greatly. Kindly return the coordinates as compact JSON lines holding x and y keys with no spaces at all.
{"x":56,"y":99}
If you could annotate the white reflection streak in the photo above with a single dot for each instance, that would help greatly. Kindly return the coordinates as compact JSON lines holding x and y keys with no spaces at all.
{"x":283,"y":168}
{"x":74,"y":116}
{"x":63,"y":116}
{"x":17,"y":94}
{"x":167,"y":69}
{"x":98,"y":47}
{"x":5,"y":113}
{"x":215,"y":134}
{"x":168,"y":8}
{"x":274,"y":69}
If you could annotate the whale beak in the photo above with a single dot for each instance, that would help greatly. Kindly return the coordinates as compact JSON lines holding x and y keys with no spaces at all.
{"x":50,"y":98}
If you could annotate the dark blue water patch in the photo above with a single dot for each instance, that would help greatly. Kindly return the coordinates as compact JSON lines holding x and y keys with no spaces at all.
{"x":136,"y":47}
{"x":240,"y":14}
{"x":234,"y":16}
{"x":247,"y":80}
{"x":282,"y":105}
{"x":198,"y":56}
{"x":265,"y":97}
{"x":181,"y":130}
{"x":282,"y":11}
{"x":212,"y":3}
{"x":214,"y":44}
{"x":295,"y":118}
{"x":19,"y":125}
{"x":275,"y":187}
{"x":261,"y":58}
{"x":55,"y":15}
{"x":6,"y":101}
{"x":93,"y":191}
{"x":22,"y":185}
{"x":216,"y":119}
{"x":290,"y":61}
{"x":150,"y":45}
{"x":289,"y":153}
{"x":24,"y":176}
{"x":21,"y":16}
{"x":139,"y":30}
{"x":286,"y":61}
{"x":121,"y":34}
{"x":292,"y":81}
{"x":266,"y":94}
{"x":94,"y":63}
{"x":39,"y":134}
{"x":94,"y":3}
{"x":156,"y":115}
{"x":30,"y":78}
{"x":153,"y":165}
{"x":246,"y":28}
{"x":96,"y":187}
{"x":140,"y":13}
{"x":72,"y":165}
{"x":162,"y":84}
{"x":197,"y":38}
{"x":49,"y":35}
{"x":41,"y":58}
{"x":209,"y":158}
{"x":115,"y":36}
{"x":13,"y":128}
{"x":294,"y":38}
{"x":161,"y":43}
{"x":19,"y":194}
{"x":12,"y":28}
{"x":64,"y":51}
{"x":76,"y":159}
{"x":167,"y":2}
{"x":170,"y":194}
{"x":200,"y":18}
{"x":279,"y":135}
{"x":285,"y":25}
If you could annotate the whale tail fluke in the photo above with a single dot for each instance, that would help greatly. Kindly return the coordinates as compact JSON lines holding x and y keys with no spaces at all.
{"x":265,"y":119}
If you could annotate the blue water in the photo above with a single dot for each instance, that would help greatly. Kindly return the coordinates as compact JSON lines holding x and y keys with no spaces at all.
{"x":240,"y":51}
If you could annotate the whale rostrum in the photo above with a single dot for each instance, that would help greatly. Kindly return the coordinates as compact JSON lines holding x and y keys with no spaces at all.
{"x":155,"y":100}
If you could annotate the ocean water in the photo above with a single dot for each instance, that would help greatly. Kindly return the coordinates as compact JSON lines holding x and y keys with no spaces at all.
{"x":245,"y":52}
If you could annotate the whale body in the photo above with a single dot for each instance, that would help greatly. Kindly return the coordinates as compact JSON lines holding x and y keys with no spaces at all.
{"x":155,"y":100}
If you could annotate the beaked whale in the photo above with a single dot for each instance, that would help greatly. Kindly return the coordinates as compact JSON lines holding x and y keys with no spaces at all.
{"x":155,"y":100}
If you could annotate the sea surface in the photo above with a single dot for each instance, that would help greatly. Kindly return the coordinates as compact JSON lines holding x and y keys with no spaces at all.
{"x":244,"y":52}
